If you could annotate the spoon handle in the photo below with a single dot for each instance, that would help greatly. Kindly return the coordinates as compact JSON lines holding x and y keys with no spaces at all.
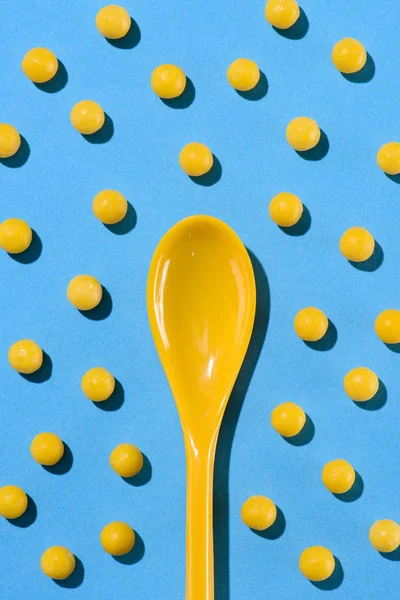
{"x":199,"y":520}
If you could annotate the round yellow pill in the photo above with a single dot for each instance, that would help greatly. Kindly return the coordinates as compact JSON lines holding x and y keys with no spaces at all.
{"x":168,"y":81}
{"x":303,"y":133}
{"x":57,"y":562}
{"x":338,"y":476}
{"x":113,"y":21}
{"x":387,"y":326}
{"x":361,"y":384}
{"x":40,"y":65}
{"x":196,"y":159}
{"x":47,"y":448}
{"x":357,"y":244}
{"x":13,"y":501}
{"x":288,"y":419}
{"x":282,"y":13}
{"x":311,"y":324}
{"x":388,"y":158}
{"x":10,"y":140}
{"x":98,"y":384}
{"x":384,"y":535}
{"x":117,"y":538}
{"x":258,"y":512}
{"x":15,"y":236}
{"x":87,"y":117}
{"x":126,"y":460}
{"x":110,"y":206}
{"x":349,"y":55}
{"x":243,"y":74}
{"x":317,"y":563}
{"x":84,"y":292}
{"x":285,"y":209}
{"x":25,"y":356}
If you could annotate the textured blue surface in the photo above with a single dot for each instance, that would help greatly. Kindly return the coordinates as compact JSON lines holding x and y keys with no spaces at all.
{"x":53,"y":191}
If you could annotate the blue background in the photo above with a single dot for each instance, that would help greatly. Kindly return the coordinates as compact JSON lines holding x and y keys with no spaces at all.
{"x":53,"y":191}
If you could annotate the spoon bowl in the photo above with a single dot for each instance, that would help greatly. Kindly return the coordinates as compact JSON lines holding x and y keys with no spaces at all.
{"x":201,"y":303}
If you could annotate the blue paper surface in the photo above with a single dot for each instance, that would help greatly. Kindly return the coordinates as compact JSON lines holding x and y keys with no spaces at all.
{"x":53,"y":191}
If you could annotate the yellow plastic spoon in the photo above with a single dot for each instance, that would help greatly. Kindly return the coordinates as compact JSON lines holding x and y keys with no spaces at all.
{"x":201,"y":303}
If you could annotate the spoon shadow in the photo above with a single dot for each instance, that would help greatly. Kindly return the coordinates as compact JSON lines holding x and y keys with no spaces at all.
{"x":228,"y":428}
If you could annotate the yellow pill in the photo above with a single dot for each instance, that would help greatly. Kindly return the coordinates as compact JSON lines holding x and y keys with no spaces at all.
{"x":13,"y":501}
{"x":285,"y":209}
{"x":15,"y":236}
{"x":338,"y":476}
{"x":98,"y":384}
{"x":25,"y":356}
{"x":168,"y":81}
{"x":357,"y":244}
{"x":10,"y":140}
{"x":57,"y":562}
{"x":40,"y":65}
{"x":349,"y":55}
{"x":126,"y":460}
{"x":388,"y":158}
{"x":47,"y":448}
{"x":384,"y":535}
{"x":243,"y":74}
{"x":311,"y":324}
{"x":361,"y":384}
{"x":387,"y":326}
{"x":317,"y":563}
{"x":303,"y":133}
{"x":117,"y":538}
{"x":196,"y":159}
{"x":84,"y":292}
{"x":288,"y":419}
{"x":87,"y":117}
{"x":110,"y":206}
{"x":282,"y":13}
{"x":113,"y":21}
{"x":258,"y":512}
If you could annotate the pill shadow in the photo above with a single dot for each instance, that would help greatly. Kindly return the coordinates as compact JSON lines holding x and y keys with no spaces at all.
{"x":43,"y":374}
{"x":130,"y":40}
{"x":327,"y":342}
{"x":144,"y":475}
{"x":301,"y":227}
{"x":185,"y":99}
{"x":126,"y":225}
{"x":365,"y":74}
{"x":57,"y":83}
{"x":393,"y":556}
{"x":29,"y":516}
{"x":75,"y":579}
{"x":372,"y":263}
{"x":19,"y":158}
{"x":104,"y":134}
{"x":115,"y":401}
{"x":64,"y":465}
{"x":377,"y":402}
{"x":334,"y":581}
{"x":393,"y":348}
{"x":304,"y":436}
{"x":32,"y":253}
{"x":276,"y":530}
{"x":355,"y":492}
{"x":213,"y":175}
{"x":319,"y":151}
{"x":102,"y":310}
{"x":258,"y":92}
{"x":298,"y":30}
{"x":394,"y":178}
{"x":135,"y":555}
